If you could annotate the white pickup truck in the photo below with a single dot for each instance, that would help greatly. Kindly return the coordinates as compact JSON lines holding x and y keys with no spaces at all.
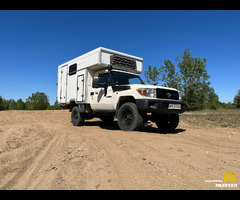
{"x":105,"y":83}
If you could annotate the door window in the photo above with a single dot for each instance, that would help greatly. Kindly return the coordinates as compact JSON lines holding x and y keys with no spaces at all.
{"x":104,"y":78}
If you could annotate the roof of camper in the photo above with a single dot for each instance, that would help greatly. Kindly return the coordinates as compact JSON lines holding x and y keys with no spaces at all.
{"x":102,"y":49}
{"x":117,"y":52}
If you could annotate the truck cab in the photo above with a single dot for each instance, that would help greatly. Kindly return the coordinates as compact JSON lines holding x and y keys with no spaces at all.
{"x":111,"y":88}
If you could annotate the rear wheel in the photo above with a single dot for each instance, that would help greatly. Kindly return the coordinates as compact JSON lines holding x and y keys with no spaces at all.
{"x":77,"y":119}
{"x":167,"y":122}
{"x":129,"y":118}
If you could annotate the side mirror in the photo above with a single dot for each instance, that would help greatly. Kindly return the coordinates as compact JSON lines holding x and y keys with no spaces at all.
{"x":105,"y":86}
{"x":95,"y":82}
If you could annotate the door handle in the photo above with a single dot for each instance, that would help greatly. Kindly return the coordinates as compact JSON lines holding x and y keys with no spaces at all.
{"x":91,"y":93}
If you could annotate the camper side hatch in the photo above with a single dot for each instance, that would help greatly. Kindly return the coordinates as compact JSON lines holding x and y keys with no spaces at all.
{"x":80,"y":88}
{"x":63,"y":89}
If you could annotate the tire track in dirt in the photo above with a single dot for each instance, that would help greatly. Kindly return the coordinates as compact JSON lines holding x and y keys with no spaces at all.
{"x":23,"y":150}
{"x":28,"y":175}
{"x":170,"y":171}
{"x":130,"y":175}
{"x":141,"y":166}
{"x":95,"y":167}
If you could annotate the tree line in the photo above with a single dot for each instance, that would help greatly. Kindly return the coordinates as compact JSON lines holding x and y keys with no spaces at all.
{"x":38,"y":101}
{"x":192,"y":79}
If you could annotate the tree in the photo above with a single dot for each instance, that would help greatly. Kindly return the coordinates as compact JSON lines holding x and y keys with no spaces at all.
{"x":38,"y":101}
{"x":191,"y":79}
{"x":1,"y":103}
{"x":194,"y":78}
{"x":212,"y":99}
{"x":12,"y":104}
{"x":5,"y":104}
{"x":152,"y":75}
{"x":20,"y":104}
{"x":168,"y":75}
{"x":55,"y":106}
{"x":236,"y":100}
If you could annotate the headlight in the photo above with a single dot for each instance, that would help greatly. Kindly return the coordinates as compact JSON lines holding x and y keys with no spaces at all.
{"x":148,"y":92}
{"x":180,"y":95}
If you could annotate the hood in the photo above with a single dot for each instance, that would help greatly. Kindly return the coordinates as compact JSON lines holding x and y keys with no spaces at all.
{"x":136,"y":86}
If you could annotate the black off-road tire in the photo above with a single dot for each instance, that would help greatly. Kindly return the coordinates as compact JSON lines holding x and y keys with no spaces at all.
{"x":77,"y":119}
{"x":129,"y":118}
{"x":168,"y":122}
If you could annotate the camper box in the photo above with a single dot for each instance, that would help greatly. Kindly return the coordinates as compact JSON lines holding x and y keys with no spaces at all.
{"x":75,"y":76}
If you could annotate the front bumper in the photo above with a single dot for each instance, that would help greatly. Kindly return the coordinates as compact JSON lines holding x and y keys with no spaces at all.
{"x":159,"y":105}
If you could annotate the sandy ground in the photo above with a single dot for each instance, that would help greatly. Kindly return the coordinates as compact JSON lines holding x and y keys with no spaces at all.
{"x":42,"y":150}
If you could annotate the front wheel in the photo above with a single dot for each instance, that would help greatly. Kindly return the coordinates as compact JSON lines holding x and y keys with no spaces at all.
{"x":129,"y":118}
{"x":168,"y":122}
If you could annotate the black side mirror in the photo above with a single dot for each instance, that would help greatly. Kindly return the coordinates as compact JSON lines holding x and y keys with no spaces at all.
{"x":105,"y":86}
{"x":95,"y":82}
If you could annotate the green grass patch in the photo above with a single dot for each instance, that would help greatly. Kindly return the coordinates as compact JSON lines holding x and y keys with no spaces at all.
{"x":220,"y":118}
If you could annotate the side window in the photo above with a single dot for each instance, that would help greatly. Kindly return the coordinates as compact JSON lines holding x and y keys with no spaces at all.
{"x":72,"y":69}
{"x":104,"y":78}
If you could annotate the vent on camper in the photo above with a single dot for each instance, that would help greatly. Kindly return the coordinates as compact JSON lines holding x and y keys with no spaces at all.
{"x":122,"y":62}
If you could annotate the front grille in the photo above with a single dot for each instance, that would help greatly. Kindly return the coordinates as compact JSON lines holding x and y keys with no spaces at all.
{"x":167,"y":94}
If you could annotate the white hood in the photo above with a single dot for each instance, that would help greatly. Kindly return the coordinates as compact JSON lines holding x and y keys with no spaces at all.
{"x":136,"y":86}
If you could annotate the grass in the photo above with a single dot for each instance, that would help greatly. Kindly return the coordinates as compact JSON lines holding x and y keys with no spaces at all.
{"x":220,"y":118}
{"x":222,"y":110}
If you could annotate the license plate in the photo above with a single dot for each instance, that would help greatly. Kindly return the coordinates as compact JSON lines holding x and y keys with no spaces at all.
{"x":174,"y":106}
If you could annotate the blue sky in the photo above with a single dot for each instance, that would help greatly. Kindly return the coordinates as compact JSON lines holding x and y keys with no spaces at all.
{"x":34,"y":43}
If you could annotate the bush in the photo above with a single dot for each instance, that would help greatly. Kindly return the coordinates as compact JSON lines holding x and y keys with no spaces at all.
{"x":38,"y":101}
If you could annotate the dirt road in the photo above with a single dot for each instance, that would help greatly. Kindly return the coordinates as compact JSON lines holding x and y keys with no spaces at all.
{"x":42,"y":150}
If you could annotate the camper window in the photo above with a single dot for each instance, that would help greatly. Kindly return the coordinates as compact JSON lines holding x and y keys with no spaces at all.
{"x":72,"y":69}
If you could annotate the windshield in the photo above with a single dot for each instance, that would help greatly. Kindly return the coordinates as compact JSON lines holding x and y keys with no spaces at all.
{"x":121,"y":78}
